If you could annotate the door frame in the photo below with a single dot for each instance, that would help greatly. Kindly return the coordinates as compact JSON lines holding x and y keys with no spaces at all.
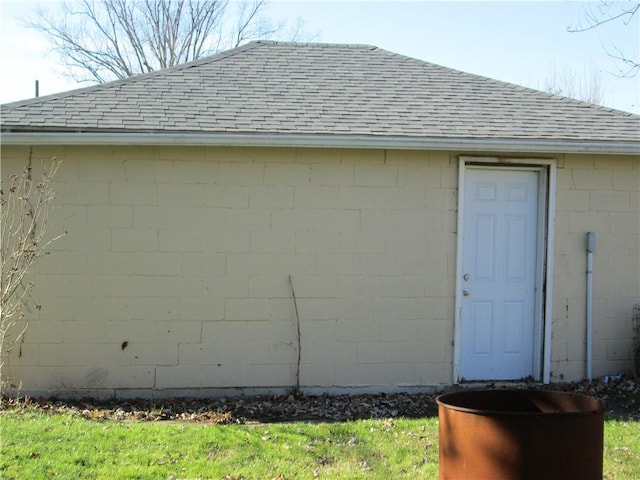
{"x":544,"y":270}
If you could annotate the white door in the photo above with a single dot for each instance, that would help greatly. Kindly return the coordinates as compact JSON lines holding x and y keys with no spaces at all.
{"x":499,"y":274}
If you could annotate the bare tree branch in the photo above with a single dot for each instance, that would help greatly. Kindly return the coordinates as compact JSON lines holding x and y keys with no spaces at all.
{"x":586,"y":87}
{"x":24,"y":212}
{"x":101,"y":40}
{"x":609,"y":12}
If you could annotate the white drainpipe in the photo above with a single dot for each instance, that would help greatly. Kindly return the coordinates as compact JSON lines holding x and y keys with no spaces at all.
{"x":591,"y":246}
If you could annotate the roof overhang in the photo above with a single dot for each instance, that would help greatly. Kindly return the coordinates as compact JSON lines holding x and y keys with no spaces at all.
{"x":322,"y":141}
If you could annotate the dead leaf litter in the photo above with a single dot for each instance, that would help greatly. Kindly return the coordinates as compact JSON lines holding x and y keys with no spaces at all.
{"x":620,"y":393}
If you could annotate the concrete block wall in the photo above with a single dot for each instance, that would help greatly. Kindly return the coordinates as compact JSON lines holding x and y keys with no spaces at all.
{"x":175,"y":273}
{"x":599,"y":194}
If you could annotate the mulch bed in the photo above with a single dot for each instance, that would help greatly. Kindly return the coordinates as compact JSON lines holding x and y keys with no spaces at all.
{"x":620,"y":393}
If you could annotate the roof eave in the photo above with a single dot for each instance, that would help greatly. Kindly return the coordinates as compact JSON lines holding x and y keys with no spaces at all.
{"x":322,"y":141}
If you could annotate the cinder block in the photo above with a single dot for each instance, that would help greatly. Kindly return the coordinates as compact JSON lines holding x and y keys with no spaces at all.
{"x":620,"y":349}
{"x":224,"y":375}
{"x":201,"y":264}
{"x":375,"y":352}
{"x":178,"y":376}
{"x":226,"y":332}
{"x":156,"y":263}
{"x":73,"y":354}
{"x":81,"y":193}
{"x":332,"y":174}
{"x":176,"y":331}
{"x":357,"y":242}
{"x":25,"y":379}
{"x":403,"y":286}
{"x":317,"y":375}
{"x":293,"y":264}
{"x":226,"y":196}
{"x":281,"y":309}
{"x":319,"y":332}
{"x":625,"y":223}
{"x":576,"y":349}
{"x":201,"y":354}
{"x":381,"y":220}
{"x":62,"y":262}
{"x":363,"y":330}
{"x":270,"y":375}
{"x":396,"y":263}
{"x":241,"y":173}
{"x":582,"y":222}
{"x":269,"y":353}
{"x":20,"y":353}
{"x":592,"y":179}
{"x":315,"y":286}
{"x":319,"y":219}
{"x":318,"y":241}
{"x":133,"y":193}
{"x":376,"y":175}
{"x":420,"y":175}
{"x":109,"y":216}
{"x":273,"y":242}
{"x":271,"y":197}
{"x":353,"y":286}
{"x":361,"y":197}
{"x":170,"y":240}
{"x":248,"y":220}
{"x":615,"y":162}
{"x":229,"y":286}
{"x":201,"y":220}
{"x":392,"y":309}
{"x":569,"y":200}
{"x":625,"y":180}
{"x":134,"y":308}
{"x":609,"y":201}
{"x":338,"y":264}
{"x":433,"y":309}
{"x":81,"y":239}
{"x":435,"y":373}
{"x":269,"y":286}
{"x":75,"y":286}
{"x":310,"y":196}
{"x":156,"y":217}
{"x":404,"y":330}
{"x":138,"y":169}
{"x":206,"y":309}
{"x":399,"y":374}
{"x":247,"y":309}
{"x":348,"y":374}
{"x":318,"y":309}
{"x":286,"y":174}
{"x":248,"y":264}
{"x":149,"y":354}
{"x":135,"y":240}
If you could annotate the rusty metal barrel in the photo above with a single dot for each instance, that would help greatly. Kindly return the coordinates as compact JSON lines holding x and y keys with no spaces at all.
{"x":520,"y":434}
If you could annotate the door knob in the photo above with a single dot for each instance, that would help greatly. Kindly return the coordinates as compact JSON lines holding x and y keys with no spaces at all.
{"x":466,"y":292}
{"x":466,"y":277}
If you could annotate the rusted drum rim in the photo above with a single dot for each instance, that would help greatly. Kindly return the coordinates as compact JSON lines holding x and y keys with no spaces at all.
{"x":511,"y":402}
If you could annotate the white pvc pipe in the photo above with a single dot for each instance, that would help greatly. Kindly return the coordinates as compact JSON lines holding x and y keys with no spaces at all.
{"x":591,"y":241}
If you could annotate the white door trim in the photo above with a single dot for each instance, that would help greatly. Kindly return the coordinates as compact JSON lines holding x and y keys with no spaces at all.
{"x":544,"y":276}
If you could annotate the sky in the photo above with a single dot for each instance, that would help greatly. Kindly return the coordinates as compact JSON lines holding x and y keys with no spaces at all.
{"x":525,"y":43}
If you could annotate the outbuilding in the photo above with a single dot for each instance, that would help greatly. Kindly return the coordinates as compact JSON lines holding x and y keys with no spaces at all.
{"x":329,"y":218}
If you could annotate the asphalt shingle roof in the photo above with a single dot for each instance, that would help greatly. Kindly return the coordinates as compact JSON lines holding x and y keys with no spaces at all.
{"x":296,"y":88}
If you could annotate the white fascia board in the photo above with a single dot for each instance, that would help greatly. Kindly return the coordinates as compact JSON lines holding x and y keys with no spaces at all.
{"x":319,"y":141}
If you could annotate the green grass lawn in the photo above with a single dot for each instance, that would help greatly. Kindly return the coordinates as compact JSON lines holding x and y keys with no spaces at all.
{"x":37,"y":445}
